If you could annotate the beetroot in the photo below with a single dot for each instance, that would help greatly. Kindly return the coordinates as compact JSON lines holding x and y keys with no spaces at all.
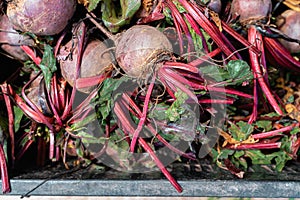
{"x":95,"y":61}
{"x":41,"y":17}
{"x":140,"y":48}
{"x":11,"y":40}
{"x":289,"y":24}
{"x":251,"y":9}
{"x":215,"y":5}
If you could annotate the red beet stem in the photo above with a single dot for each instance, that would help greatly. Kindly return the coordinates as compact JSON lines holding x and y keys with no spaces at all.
{"x":273,"y":133}
{"x":182,"y":66}
{"x":205,"y":57}
{"x":137,"y":112}
{"x":10,"y":112}
{"x":4,"y":174}
{"x":208,"y":27}
{"x":253,"y":36}
{"x":274,"y":145}
{"x":37,"y":111}
{"x":24,"y":148}
{"x":216,"y":101}
{"x":160,"y":165}
{"x":253,"y":116}
{"x":51,"y":144}
{"x":37,"y":60}
{"x":81,"y":43}
{"x":127,"y":127}
{"x":196,"y":28}
{"x":281,"y":55}
{"x":239,"y":38}
{"x":143,"y":117}
{"x":180,"y":23}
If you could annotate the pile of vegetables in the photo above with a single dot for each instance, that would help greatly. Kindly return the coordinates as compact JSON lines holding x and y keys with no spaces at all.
{"x":137,"y":85}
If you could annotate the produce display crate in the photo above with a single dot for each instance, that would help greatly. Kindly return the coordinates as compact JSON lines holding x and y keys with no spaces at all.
{"x":214,"y":77}
{"x":195,"y":182}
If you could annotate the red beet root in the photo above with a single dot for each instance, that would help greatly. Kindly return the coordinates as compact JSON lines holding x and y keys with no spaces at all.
{"x":251,"y":9}
{"x":95,"y":61}
{"x":140,"y":48}
{"x":289,"y":24}
{"x":11,"y":40}
{"x":41,"y":17}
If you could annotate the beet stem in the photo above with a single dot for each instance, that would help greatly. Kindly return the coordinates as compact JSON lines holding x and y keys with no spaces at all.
{"x":81,"y":42}
{"x":160,"y":165}
{"x":274,"y":145}
{"x":137,"y":112}
{"x":37,"y":60}
{"x":144,"y":114}
{"x":253,"y":35}
{"x":4,"y":174}
{"x":127,"y":127}
{"x":10,"y":112}
{"x":91,"y":17}
{"x":34,"y":107}
{"x":274,"y":133}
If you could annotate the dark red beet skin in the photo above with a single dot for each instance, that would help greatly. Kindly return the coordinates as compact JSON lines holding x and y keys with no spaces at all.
{"x":139,"y":48}
{"x":251,"y":9}
{"x":95,"y":61}
{"x":11,"y":40}
{"x":289,"y":24}
{"x":41,"y":17}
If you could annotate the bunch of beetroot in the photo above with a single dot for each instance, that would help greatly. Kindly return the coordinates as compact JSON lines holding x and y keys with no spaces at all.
{"x":166,"y":51}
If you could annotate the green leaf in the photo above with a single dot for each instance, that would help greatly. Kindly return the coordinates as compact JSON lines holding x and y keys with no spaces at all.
{"x":239,"y":154}
{"x":217,"y":73}
{"x":272,"y":114}
{"x":48,"y":65}
{"x":258,"y":158}
{"x":105,"y":98}
{"x":295,"y":130}
{"x":235,"y":73}
{"x":239,"y":71}
{"x":281,"y":159}
{"x":245,"y":128}
{"x":264,"y":124}
{"x":158,"y":112}
{"x":241,"y":130}
{"x":18,"y":113}
{"x":225,"y":153}
{"x":175,"y":111}
{"x":93,"y":4}
{"x":115,"y":16}
{"x":82,"y":123}
{"x":168,"y":16}
{"x":87,"y":138}
{"x":179,"y":7}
